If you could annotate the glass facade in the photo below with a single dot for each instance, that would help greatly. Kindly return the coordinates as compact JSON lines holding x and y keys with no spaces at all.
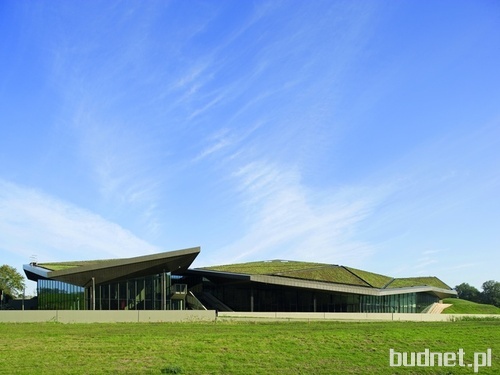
{"x":56,"y":295}
{"x":154,"y":292}
{"x":271,"y":298}
{"x":398,"y":303}
{"x":424,"y":300}
{"x":164,"y":291}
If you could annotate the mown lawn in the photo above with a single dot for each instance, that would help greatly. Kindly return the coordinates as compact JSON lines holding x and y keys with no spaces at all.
{"x":239,"y":348}
{"x":462,"y":306}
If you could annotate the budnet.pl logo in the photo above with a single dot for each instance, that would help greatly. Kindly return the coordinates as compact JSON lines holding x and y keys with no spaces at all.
{"x":439,"y":359}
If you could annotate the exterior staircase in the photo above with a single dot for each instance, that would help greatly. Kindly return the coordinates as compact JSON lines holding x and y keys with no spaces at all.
{"x":436,"y":308}
{"x":208,"y":301}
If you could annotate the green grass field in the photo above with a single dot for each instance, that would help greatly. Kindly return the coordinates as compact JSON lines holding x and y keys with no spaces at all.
{"x":462,"y":306}
{"x":239,"y":348}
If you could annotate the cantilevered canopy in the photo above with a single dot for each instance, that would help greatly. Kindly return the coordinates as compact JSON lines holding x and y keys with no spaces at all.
{"x":106,"y":271}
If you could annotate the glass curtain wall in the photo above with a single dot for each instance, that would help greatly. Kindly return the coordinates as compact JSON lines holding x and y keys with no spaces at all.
{"x":143,"y":293}
{"x":57,"y":295}
{"x":424,"y":300}
{"x":267,"y":298}
{"x":399,"y":303}
{"x":154,"y":292}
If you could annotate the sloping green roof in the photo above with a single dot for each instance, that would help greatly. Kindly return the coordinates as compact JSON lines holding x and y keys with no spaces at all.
{"x":417,"y":281}
{"x":270,"y":267}
{"x":67,"y":265}
{"x":374,"y":279}
{"x":332,"y":274}
{"x":298,"y":270}
{"x":326,"y":273}
{"x":110,"y":270}
{"x":293,"y":269}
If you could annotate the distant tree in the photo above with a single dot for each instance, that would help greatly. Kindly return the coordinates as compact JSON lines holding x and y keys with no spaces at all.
{"x":11,"y":282}
{"x":491,"y":292}
{"x":468,"y":292}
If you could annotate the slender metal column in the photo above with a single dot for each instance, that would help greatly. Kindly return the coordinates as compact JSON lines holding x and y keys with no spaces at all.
{"x":93,"y":293}
{"x":135,"y":294}
{"x":164,"y":291}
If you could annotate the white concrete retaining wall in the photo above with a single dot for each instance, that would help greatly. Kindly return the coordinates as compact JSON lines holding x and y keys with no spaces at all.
{"x":349,"y":316}
{"x":102,"y":316}
{"x":156,"y":316}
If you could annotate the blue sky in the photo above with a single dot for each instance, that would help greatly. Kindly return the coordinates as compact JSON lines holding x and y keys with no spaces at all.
{"x":362,"y":133}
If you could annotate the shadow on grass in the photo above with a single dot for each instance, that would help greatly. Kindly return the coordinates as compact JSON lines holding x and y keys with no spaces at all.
{"x":171,"y":370}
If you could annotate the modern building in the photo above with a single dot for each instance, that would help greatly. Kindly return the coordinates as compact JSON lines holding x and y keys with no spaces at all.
{"x":165,"y":282}
{"x":151,"y":282}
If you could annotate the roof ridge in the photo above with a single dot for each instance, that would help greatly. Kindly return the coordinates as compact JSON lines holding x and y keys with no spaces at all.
{"x":389,"y":283}
{"x":359,"y":277}
{"x":374,"y":273}
{"x":419,"y":281}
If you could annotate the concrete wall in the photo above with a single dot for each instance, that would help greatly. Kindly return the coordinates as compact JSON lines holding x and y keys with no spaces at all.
{"x":101,"y":316}
{"x":347,"y":316}
{"x":155,"y":316}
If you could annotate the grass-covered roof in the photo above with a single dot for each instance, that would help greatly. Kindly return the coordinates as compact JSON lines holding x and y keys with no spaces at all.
{"x":326,"y":273}
{"x":418,"y":281}
{"x":269,"y":267}
{"x":374,"y":279}
{"x":57,"y":266}
{"x":298,"y":270}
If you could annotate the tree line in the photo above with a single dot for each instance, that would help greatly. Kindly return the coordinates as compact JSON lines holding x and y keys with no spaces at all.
{"x":489,"y":295}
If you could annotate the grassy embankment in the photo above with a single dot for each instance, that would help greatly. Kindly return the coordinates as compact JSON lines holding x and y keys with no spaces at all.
{"x":462,"y":306}
{"x":239,"y":348}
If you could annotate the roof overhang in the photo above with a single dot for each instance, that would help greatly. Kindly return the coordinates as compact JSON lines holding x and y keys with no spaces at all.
{"x":353,"y":289}
{"x":218,"y":274}
{"x":107,"y":271}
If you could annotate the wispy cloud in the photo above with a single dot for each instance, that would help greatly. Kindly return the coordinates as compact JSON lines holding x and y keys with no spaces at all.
{"x":226,"y":139}
{"x":121,"y":160}
{"x":286,"y":219}
{"x":428,"y":257}
{"x":34,"y":223}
